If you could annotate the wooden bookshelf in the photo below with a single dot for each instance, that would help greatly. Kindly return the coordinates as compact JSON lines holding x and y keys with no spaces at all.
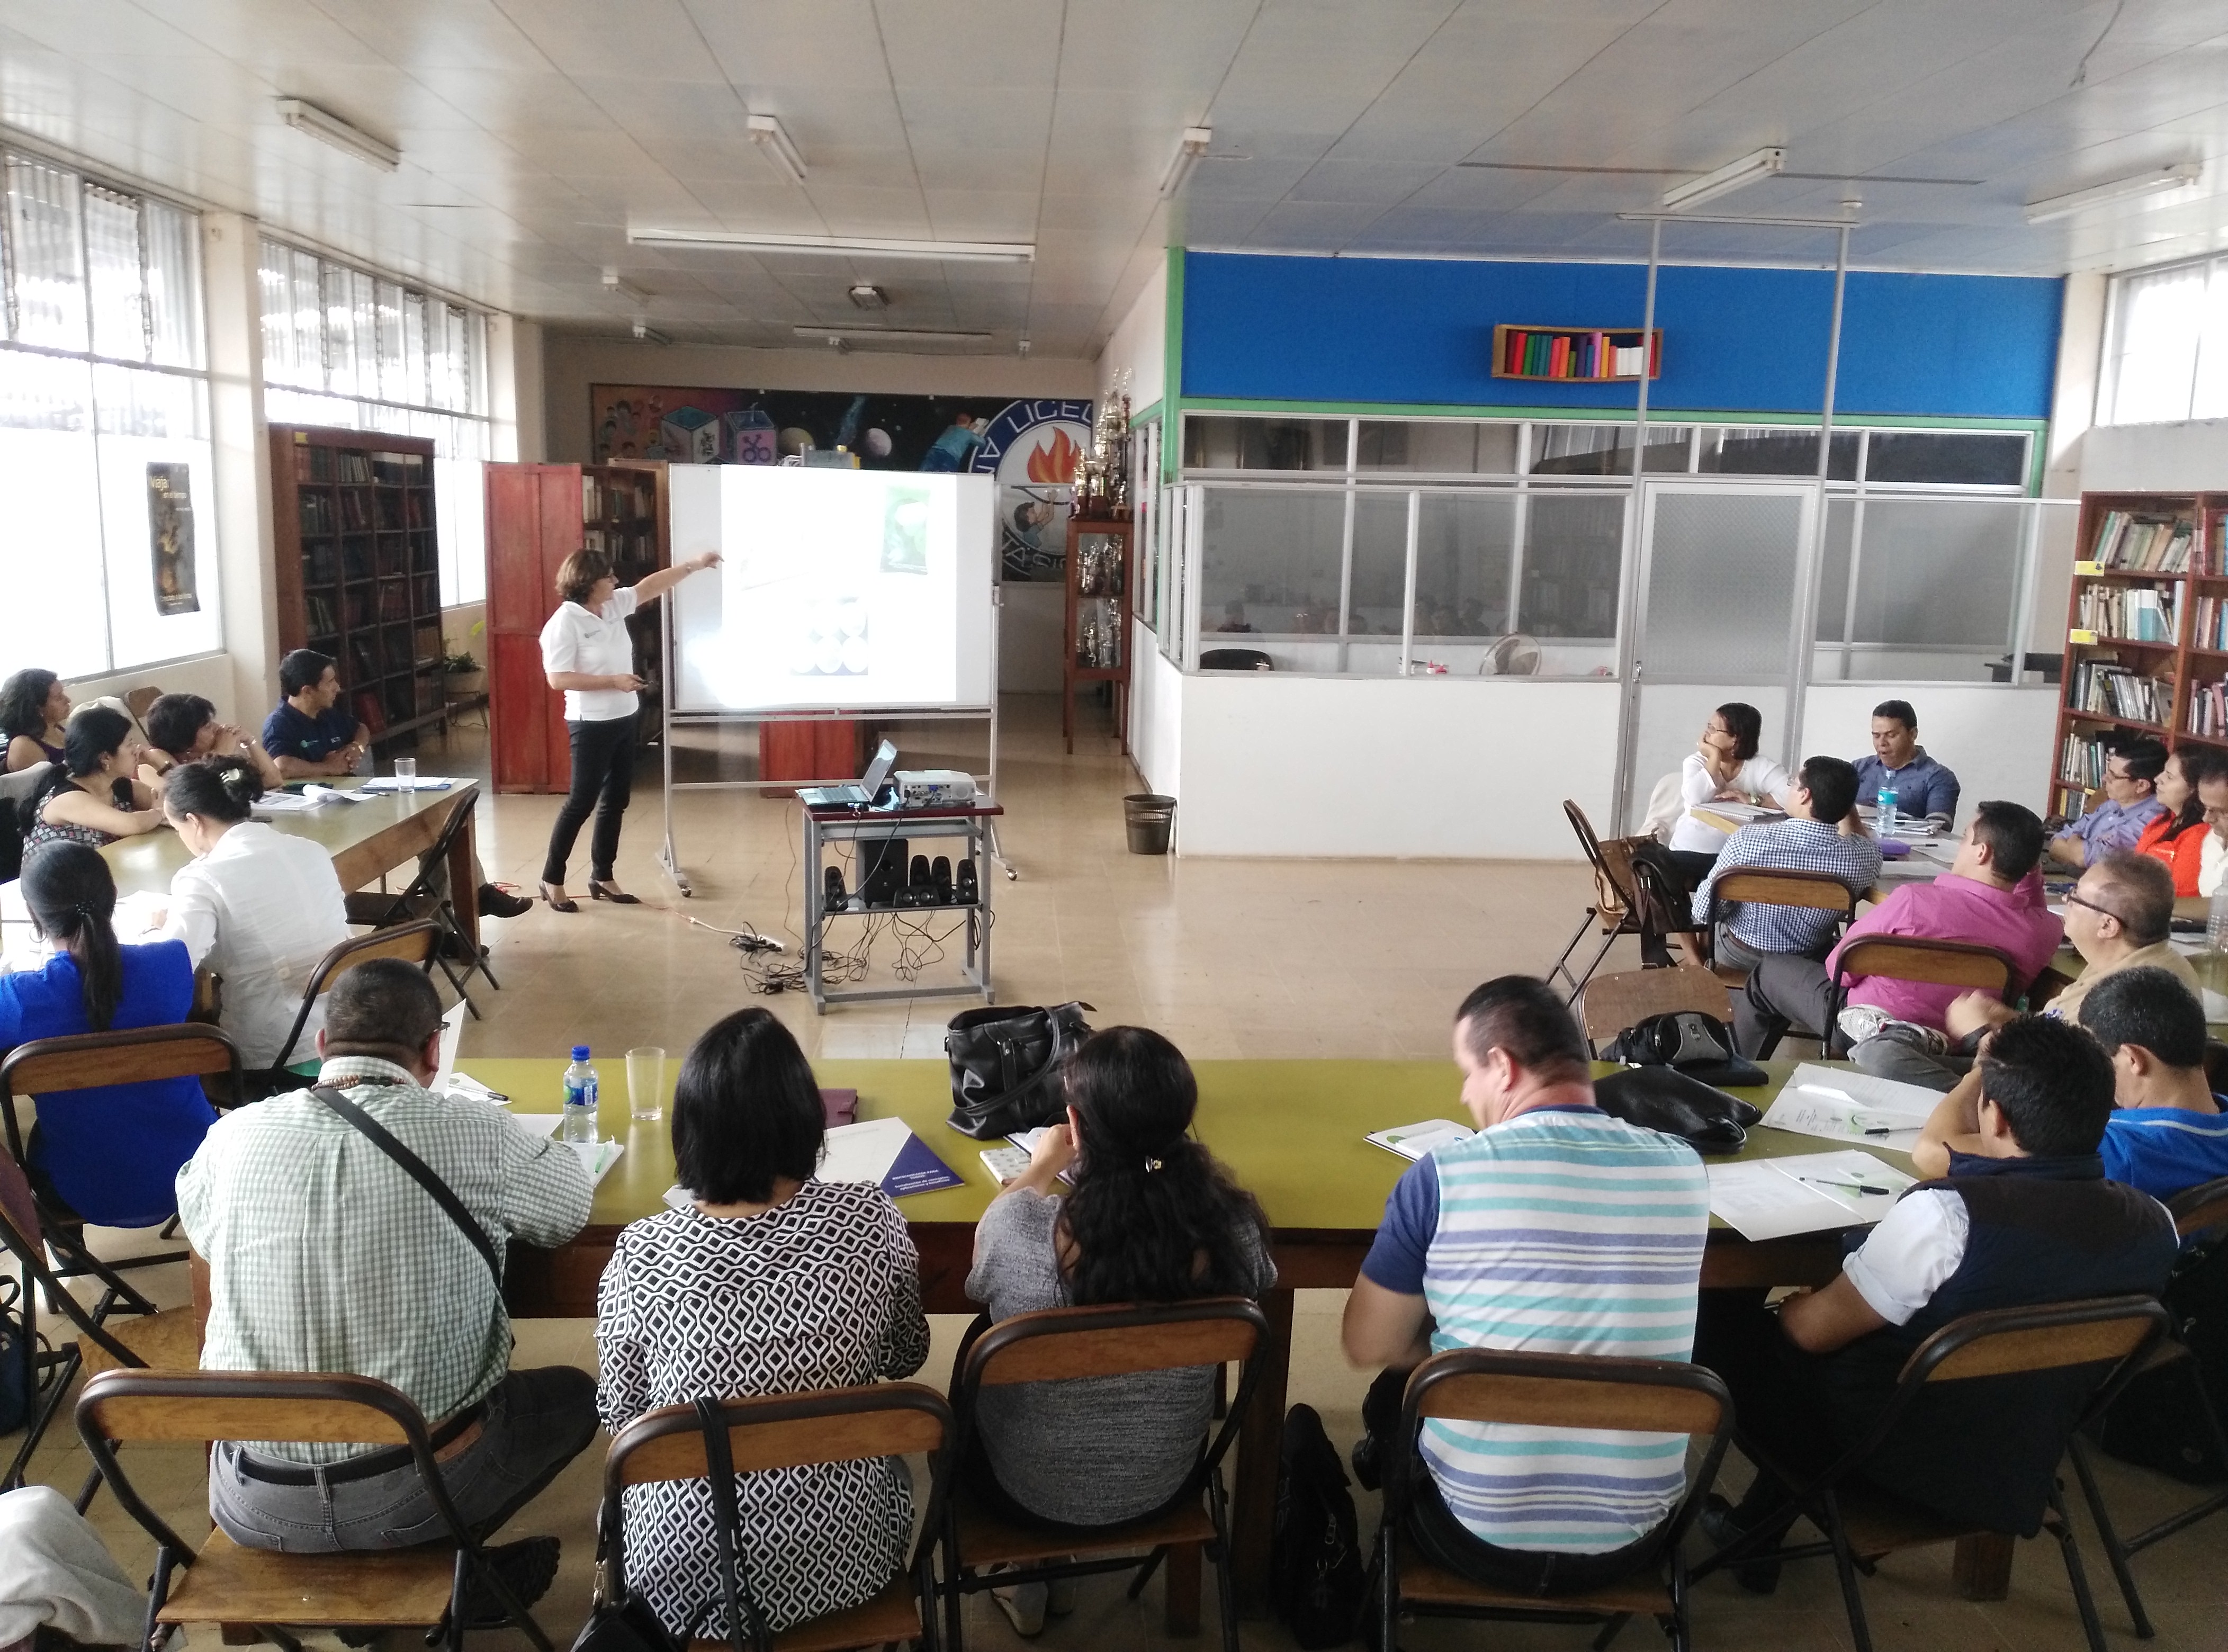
{"x":355,"y":562}
{"x":537,"y":515}
{"x":2145,"y":635}
{"x":1570,"y":355}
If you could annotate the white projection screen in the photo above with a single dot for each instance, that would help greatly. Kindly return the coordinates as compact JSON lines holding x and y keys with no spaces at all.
{"x":842,"y":590}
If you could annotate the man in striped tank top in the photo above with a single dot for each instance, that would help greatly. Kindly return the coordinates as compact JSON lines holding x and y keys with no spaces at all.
{"x":1555,"y":1229}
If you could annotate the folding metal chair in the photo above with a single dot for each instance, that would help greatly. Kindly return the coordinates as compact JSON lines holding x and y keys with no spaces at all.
{"x":1815,"y":890}
{"x":1064,"y":1343}
{"x":1571,"y":1391}
{"x":787,"y":1432}
{"x":1917,"y":958}
{"x":413,"y":943}
{"x":1862,"y":1523}
{"x":1613,"y":1003}
{"x":219,"y":1582}
{"x":429,"y":897}
{"x":1616,"y":905}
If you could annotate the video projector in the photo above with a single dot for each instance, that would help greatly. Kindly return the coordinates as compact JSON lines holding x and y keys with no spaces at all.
{"x":933,"y":788}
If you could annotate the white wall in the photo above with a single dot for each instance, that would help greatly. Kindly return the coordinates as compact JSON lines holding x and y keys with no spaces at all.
{"x":1419,"y":767}
{"x":570,"y":362}
{"x":1156,"y":693}
{"x":246,"y":684}
{"x":1997,"y":740}
{"x":2183,"y":457}
{"x":1139,"y":343}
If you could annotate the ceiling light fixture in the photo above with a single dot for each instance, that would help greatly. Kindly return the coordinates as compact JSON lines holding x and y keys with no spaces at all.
{"x":766,"y":133}
{"x":1734,"y":175}
{"x":2155,"y":182}
{"x":617,"y":284}
{"x":650,"y":334}
{"x":1189,"y":149}
{"x":328,"y":128}
{"x":745,"y":240}
{"x":867,"y":295}
{"x":1022,"y":347}
{"x":843,"y":337}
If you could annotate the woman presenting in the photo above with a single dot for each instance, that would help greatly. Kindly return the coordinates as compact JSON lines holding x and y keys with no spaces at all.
{"x":586,"y":652}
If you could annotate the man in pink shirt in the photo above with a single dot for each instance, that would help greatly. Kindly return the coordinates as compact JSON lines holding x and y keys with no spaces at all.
{"x":1991,"y":896}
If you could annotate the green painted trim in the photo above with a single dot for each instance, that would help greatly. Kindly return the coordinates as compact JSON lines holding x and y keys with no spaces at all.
{"x":1172,"y":397}
{"x":1144,"y":415}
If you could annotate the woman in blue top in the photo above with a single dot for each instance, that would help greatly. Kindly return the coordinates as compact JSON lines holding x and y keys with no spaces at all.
{"x":111,"y":1153}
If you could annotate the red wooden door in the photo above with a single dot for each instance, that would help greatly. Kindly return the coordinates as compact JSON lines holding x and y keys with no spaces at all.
{"x":533,"y":524}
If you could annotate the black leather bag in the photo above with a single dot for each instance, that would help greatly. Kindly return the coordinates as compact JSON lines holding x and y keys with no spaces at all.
{"x":1664,"y":1099}
{"x":1696,"y":1044}
{"x":1004,"y":1067}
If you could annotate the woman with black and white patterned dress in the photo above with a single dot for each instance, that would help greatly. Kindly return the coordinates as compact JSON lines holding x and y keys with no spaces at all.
{"x":770,"y":1282}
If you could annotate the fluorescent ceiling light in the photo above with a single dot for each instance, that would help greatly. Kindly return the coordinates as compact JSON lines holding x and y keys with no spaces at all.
{"x":1189,"y":149}
{"x":617,"y":284}
{"x":650,"y":334}
{"x":842,"y":337}
{"x":867,"y":296}
{"x":2152,"y":182}
{"x":766,"y":133}
{"x":331,"y":129}
{"x":1734,"y":175}
{"x":748,"y":241}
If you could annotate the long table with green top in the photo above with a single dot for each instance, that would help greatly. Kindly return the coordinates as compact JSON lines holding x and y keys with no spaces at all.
{"x":1291,"y":1132}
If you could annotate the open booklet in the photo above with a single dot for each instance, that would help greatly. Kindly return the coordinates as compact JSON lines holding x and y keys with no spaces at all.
{"x":1809,"y":1193}
{"x":597,"y":1157}
{"x":1843,"y":1105}
{"x":1414,"y":1140}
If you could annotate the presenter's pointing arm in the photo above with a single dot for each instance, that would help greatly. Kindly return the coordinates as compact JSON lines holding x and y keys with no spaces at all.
{"x":651,"y":586}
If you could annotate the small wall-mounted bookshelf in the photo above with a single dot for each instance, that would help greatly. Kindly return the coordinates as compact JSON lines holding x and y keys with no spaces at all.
{"x":2145,"y":635}
{"x":1574,"y":355}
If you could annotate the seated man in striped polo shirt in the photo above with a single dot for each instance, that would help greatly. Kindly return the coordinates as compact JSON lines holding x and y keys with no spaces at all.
{"x":1556,"y":1229}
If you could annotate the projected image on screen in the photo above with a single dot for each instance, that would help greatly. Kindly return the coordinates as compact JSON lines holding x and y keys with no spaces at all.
{"x":840,"y":589}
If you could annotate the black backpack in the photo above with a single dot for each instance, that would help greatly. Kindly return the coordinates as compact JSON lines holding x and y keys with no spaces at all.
{"x":1314,"y":1556}
{"x":2156,"y":1422}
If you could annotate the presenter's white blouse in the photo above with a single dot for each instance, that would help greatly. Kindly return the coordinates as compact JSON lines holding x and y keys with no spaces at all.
{"x":577,"y":640}
{"x":259,"y":910}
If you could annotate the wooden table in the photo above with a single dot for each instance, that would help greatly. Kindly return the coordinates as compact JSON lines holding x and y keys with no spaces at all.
{"x":1291,"y":1130}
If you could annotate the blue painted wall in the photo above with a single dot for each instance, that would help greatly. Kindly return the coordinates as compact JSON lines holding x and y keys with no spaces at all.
{"x":1734,"y":340}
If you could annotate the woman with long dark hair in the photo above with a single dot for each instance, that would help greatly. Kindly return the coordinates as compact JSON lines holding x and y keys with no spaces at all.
{"x":94,"y":796}
{"x":257,"y":907}
{"x":111,"y":1152}
{"x":33,"y":707}
{"x":588,"y":653}
{"x":1150,"y":1217}
{"x":2177,"y":837}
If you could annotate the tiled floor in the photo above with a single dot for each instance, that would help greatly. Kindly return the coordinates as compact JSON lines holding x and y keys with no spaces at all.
{"x":1230,"y":958}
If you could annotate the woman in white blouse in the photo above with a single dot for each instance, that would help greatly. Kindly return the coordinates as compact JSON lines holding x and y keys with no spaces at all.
{"x":1723,"y":766}
{"x":258,"y":908}
{"x":587,"y":652}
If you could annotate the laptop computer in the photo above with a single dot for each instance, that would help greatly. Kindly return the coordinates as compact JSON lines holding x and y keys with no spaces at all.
{"x":863,"y":793}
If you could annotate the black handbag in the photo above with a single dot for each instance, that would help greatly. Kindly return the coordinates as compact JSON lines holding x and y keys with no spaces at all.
{"x":1005,"y":1067}
{"x":1665,"y":1098}
{"x":1696,"y":1044}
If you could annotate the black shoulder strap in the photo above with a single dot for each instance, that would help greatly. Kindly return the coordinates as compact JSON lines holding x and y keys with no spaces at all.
{"x":746,"y":1626}
{"x":443,"y":1194}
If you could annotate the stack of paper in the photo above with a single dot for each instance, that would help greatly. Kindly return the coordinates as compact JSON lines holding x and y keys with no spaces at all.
{"x":1810,"y":1193}
{"x":597,"y":1157}
{"x":1414,"y":1140}
{"x":423,"y":782}
{"x":1846,"y":1106}
{"x":284,"y":803}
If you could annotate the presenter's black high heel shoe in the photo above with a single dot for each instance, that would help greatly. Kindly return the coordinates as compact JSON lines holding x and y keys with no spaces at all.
{"x":605,"y":892}
{"x":559,"y":901}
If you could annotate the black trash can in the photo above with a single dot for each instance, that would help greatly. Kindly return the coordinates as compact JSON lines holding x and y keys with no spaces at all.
{"x":1150,"y":818}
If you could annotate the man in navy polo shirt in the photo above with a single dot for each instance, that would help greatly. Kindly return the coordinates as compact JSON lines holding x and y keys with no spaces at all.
{"x":1924,"y":789}
{"x":309,"y":735}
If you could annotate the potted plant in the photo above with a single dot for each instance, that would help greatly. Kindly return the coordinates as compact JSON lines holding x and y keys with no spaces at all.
{"x":465,"y":676}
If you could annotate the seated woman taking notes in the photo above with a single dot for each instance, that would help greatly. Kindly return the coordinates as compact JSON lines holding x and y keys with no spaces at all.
{"x":91,"y":798}
{"x":110,"y":1153}
{"x":257,"y":907}
{"x":769,"y":1282}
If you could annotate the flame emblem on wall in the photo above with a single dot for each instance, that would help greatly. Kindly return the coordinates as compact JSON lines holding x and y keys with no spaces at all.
{"x":1055,"y":460}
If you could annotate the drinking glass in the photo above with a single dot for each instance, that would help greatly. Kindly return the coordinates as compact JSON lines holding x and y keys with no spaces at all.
{"x":406,"y":773}
{"x":646,"y":1082}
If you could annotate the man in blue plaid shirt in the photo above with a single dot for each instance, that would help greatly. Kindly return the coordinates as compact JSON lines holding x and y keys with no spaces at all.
{"x":1820,"y":834}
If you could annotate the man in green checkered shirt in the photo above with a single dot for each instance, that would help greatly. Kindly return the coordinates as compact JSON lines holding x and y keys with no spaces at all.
{"x":326,"y":1255}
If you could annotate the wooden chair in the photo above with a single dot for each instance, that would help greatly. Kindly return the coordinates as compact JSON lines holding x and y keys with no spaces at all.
{"x":1863,"y":1523}
{"x":220,"y":1582}
{"x":787,"y":1432}
{"x":138,"y":700}
{"x":2198,"y":1210}
{"x":1616,"y":905}
{"x":1915,"y":957}
{"x":1578,"y":1392}
{"x":120,"y":1331}
{"x":1119,"y":1340}
{"x":413,"y":943}
{"x":1815,"y":890}
{"x":52,"y":1067}
{"x":431,"y":897}
{"x":1613,"y":1003}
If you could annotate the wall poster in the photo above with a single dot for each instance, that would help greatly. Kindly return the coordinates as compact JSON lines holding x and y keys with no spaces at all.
{"x":1031,"y":447}
{"x":171,"y":532}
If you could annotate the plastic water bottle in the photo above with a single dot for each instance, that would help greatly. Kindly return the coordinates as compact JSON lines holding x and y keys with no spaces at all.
{"x":1883,"y":815}
{"x":582,"y":1089}
{"x":2216,"y":924}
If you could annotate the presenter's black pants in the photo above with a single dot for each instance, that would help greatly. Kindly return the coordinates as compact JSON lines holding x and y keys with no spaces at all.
{"x":603,"y":778}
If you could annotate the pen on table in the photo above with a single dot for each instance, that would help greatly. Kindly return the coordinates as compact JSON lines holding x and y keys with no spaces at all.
{"x":1848,"y":1187}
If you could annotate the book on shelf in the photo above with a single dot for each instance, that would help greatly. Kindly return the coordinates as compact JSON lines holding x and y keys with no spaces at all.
{"x":2208,"y":710}
{"x":2208,"y":626}
{"x":2146,"y":543}
{"x":2124,"y":614}
{"x":318,"y":613}
{"x":2109,"y":690}
{"x":2081,"y":762}
{"x":1529,"y":353}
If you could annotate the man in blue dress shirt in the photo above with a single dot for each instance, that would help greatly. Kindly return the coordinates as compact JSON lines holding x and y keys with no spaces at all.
{"x":1924,"y":789}
{"x":2130,"y":803}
